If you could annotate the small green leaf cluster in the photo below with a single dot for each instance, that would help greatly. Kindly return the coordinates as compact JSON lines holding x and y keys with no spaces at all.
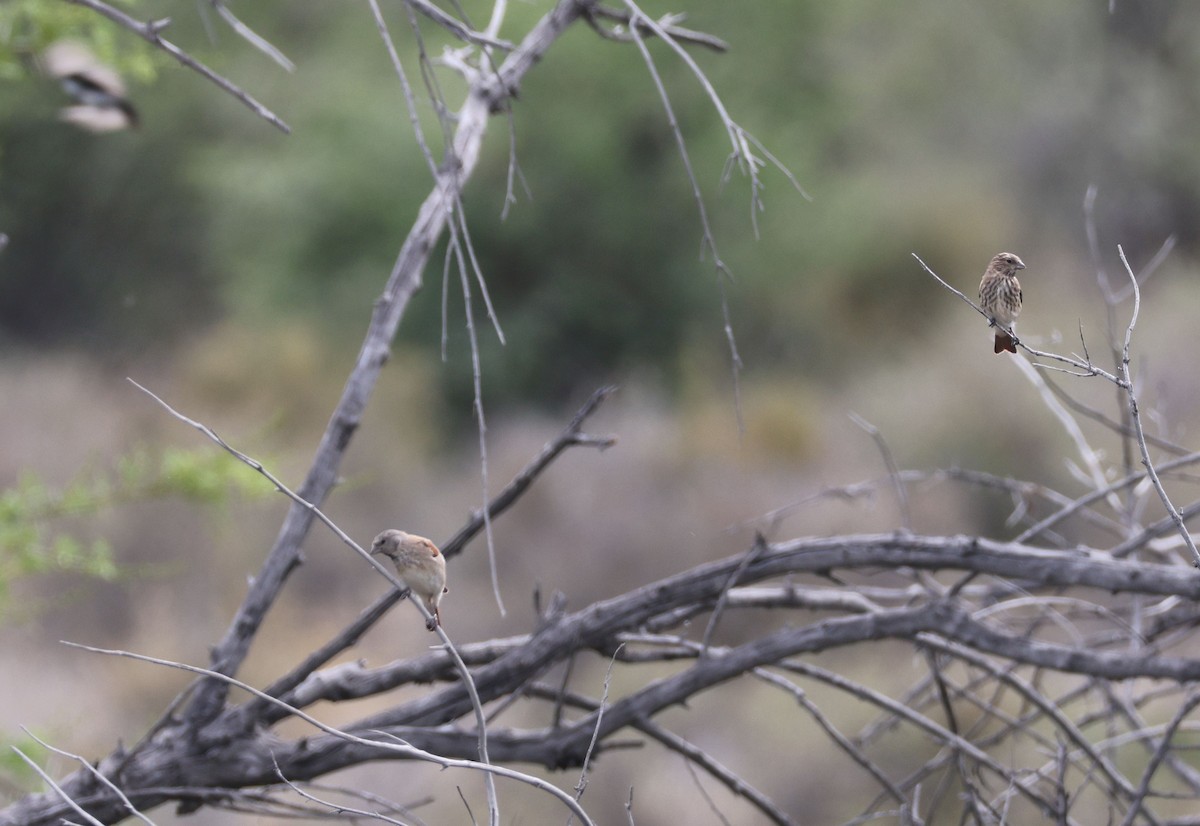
{"x":28,"y":26}
{"x":41,"y":527}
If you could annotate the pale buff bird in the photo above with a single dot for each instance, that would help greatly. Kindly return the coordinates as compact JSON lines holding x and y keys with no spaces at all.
{"x":96,"y":90}
{"x":1001,"y":298}
{"x":420,"y":565}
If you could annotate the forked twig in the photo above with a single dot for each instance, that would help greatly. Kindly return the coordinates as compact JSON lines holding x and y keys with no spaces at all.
{"x":1087,"y":368}
{"x":1139,"y":801}
{"x":708,"y":242}
{"x":95,"y":772}
{"x":150,"y":33}
{"x":596,"y":12}
{"x":49,"y":781}
{"x":570,"y":436}
{"x":458,"y":28}
{"x":336,"y":807}
{"x":1136,"y":418}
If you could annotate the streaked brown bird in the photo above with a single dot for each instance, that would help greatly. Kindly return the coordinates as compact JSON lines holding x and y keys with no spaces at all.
{"x":420,"y":564}
{"x":1000,"y":298}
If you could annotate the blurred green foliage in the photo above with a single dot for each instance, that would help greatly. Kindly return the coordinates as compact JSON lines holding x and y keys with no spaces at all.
{"x":15,"y":772}
{"x":45,"y":529}
{"x":954,"y":135}
{"x":28,"y":26}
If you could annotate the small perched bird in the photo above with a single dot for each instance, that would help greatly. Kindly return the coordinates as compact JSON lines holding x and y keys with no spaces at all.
{"x":419,"y":563}
{"x":96,"y":90}
{"x":1000,"y":297}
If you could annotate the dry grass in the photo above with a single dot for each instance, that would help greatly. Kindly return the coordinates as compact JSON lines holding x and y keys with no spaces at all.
{"x":679,"y":488}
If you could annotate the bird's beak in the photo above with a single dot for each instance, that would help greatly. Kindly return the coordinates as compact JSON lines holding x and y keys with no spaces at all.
{"x":1020,"y":265}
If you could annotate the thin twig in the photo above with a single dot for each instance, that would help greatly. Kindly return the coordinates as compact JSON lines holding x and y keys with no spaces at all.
{"x":95,"y":772}
{"x":1073,"y":506}
{"x":758,"y":549}
{"x":708,"y":242}
{"x":957,"y":292}
{"x":1148,"y":271}
{"x":902,"y":711}
{"x":281,"y":487}
{"x":712,"y":804}
{"x":1115,"y":426}
{"x":399,"y":748}
{"x":1089,"y":455}
{"x":460,"y":249}
{"x":150,"y":33}
{"x":337,"y":808}
{"x":1136,"y":418}
{"x":596,"y":12}
{"x":570,"y":436}
{"x":742,"y":153}
{"x":587,"y":757}
{"x":831,"y":731}
{"x":1050,"y":709}
{"x":893,"y":470}
{"x":1142,"y":538}
{"x":458,"y":28}
{"x":49,"y":781}
{"x":251,"y":37}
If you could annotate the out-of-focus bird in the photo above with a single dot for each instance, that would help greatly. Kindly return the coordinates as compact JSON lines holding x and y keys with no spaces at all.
{"x":1000,"y":297}
{"x":100,"y":103}
{"x":420,"y":564}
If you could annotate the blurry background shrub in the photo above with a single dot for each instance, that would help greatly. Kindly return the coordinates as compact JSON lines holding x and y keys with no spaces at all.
{"x":952,"y":135}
